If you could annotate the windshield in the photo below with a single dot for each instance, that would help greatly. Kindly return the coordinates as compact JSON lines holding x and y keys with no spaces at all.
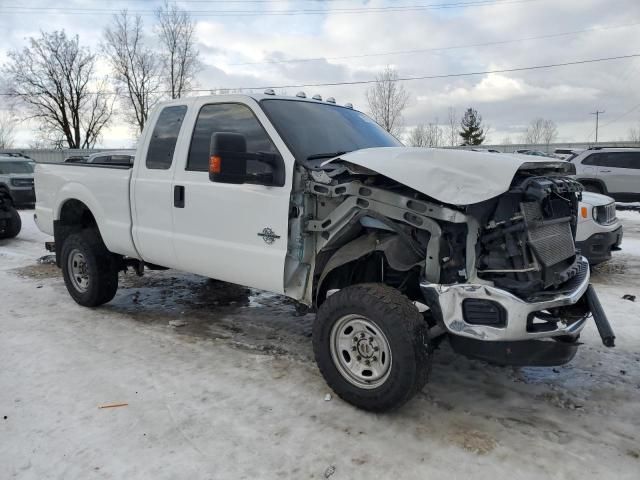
{"x":16,"y":167}
{"x":320,"y":129}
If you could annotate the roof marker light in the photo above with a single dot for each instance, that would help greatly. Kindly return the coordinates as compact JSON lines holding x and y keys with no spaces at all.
{"x":317,"y":97}
{"x":301,"y":95}
{"x":269,"y":91}
{"x":349,"y":105}
{"x":331,"y":100}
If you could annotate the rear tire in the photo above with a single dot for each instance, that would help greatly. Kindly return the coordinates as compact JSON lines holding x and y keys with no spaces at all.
{"x":371,"y":345}
{"x":90,"y":271}
{"x":13,"y":226}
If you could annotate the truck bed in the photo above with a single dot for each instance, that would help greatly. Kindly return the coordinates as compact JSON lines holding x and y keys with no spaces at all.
{"x":105,"y":189}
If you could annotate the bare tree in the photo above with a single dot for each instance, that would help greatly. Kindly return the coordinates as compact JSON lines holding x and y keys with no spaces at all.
{"x":634,"y":134}
{"x":55,"y":79}
{"x":387,"y":99}
{"x":418,"y":136}
{"x":179,"y":56}
{"x":541,"y":131}
{"x":488,"y":130}
{"x":431,"y":135}
{"x":507,"y":140}
{"x":549,"y":132}
{"x":135,"y":66}
{"x":452,"y":127}
{"x":7,"y":128}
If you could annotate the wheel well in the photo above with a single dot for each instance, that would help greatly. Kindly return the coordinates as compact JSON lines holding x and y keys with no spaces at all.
{"x":76,"y":213}
{"x":594,"y":181}
{"x":74,"y":217}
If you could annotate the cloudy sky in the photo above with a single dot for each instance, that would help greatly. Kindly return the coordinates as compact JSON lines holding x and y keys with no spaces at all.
{"x":254,"y":43}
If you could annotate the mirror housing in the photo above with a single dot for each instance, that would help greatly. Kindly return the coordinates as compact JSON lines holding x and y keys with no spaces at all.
{"x":228,"y":158}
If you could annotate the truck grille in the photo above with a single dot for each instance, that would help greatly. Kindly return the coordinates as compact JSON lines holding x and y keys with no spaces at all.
{"x":605,"y":214}
{"x":551,"y":240}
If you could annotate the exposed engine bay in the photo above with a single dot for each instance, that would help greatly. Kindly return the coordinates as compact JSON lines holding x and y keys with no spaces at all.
{"x":503,"y":269}
{"x":521,"y":241}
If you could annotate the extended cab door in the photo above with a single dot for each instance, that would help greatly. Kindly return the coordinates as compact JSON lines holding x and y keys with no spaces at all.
{"x":232,"y":232}
{"x":151,"y":187}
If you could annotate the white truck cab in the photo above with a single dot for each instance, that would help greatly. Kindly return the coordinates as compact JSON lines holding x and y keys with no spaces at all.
{"x":317,"y":202}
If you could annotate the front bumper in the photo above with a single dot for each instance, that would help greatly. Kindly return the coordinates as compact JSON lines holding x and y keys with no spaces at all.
{"x":447,"y":302}
{"x":23,"y":196}
{"x":598,"y":247}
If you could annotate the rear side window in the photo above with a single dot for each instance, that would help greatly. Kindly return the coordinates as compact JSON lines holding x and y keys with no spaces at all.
{"x":614,"y":159}
{"x":228,"y":117}
{"x":164,"y":137}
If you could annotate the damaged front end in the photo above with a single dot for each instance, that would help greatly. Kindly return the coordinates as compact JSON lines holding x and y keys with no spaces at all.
{"x":531,"y":297}
{"x":500,"y":276}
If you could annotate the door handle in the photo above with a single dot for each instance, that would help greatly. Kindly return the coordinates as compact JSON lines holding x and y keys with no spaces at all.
{"x":605,"y":171}
{"x":178,"y":196}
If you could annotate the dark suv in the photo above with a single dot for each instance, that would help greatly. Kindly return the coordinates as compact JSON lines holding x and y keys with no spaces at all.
{"x":16,"y":180}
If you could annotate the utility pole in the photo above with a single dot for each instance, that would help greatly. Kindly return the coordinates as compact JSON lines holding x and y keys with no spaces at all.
{"x":597,"y":114}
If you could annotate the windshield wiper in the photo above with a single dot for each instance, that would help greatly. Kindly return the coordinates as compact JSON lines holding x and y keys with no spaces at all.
{"x":326,"y":155}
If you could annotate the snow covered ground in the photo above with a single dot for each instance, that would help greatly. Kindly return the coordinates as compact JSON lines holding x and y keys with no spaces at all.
{"x":235,"y":394}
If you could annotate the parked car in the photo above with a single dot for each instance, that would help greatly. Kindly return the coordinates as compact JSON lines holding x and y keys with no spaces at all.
{"x":536,"y":153}
{"x":489,"y":150}
{"x":599,"y":231}
{"x":16,"y":179}
{"x":395,"y":248}
{"x":120,"y":157}
{"x":567,"y":153}
{"x":611,"y":171}
{"x":77,"y":159}
{"x":10,"y":221}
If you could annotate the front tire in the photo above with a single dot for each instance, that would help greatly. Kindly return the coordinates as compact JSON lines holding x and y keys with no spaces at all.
{"x":371,"y":345}
{"x":90,"y":271}
{"x":13,"y":225}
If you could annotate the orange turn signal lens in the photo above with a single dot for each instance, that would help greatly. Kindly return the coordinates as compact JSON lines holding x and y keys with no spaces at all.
{"x":583,"y":212}
{"x":214,"y":164}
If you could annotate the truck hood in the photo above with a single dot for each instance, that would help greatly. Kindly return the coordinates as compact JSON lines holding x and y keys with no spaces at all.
{"x":456,"y":177}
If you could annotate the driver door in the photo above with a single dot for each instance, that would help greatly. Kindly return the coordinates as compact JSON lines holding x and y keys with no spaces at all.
{"x":231,"y":232}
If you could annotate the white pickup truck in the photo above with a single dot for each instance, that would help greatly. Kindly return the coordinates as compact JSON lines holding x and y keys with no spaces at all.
{"x":395,"y":248}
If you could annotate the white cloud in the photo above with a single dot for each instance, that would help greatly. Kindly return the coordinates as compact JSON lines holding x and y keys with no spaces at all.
{"x":506,"y":101}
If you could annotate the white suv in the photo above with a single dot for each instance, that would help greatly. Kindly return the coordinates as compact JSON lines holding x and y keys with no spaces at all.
{"x":599,"y":231}
{"x":612,"y":171}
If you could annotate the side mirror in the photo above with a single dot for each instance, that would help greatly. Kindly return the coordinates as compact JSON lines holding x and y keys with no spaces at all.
{"x":228,"y":158}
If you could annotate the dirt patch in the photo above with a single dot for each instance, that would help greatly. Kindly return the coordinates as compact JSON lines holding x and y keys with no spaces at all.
{"x":474,"y":441}
{"x":38,"y":271}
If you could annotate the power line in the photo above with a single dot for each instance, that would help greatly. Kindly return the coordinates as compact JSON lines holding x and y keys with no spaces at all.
{"x":632,"y":109}
{"x":403,"y":79}
{"x":439,"y":49}
{"x":252,"y":13}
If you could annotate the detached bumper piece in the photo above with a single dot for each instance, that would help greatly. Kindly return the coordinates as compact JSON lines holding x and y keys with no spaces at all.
{"x":602,"y":323}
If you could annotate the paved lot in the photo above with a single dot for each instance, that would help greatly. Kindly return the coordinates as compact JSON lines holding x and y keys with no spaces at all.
{"x":235,"y":394}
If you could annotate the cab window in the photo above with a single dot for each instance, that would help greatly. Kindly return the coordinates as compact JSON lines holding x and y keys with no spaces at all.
{"x":233,"y":118}
{"x":164,"y":137}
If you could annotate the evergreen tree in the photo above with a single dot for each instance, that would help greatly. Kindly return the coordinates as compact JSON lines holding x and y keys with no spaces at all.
{"x":472,"y":132}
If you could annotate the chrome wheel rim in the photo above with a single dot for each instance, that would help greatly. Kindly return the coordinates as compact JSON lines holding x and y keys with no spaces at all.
{"x":78,"y":272}
{"x":360,"y":351}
